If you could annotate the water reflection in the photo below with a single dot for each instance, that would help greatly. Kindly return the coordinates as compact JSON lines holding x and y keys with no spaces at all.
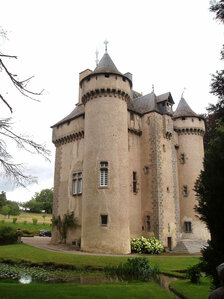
{"x":25,"y":279}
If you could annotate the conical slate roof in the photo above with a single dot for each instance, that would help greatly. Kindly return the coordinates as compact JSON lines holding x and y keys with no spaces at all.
{"x":183,"y":109}
{"x":106,"y":65}
{"x":147,"y":103}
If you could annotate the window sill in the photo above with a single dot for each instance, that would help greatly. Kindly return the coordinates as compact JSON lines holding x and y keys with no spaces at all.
{"x":103,"y":187}
{"x":79,"y":194}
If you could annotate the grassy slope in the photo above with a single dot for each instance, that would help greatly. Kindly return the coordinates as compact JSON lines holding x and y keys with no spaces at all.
{"x":98,"y":291}
{"x":25,"y":216}
{"x":25,"y":252}
{"x":190,"y":290}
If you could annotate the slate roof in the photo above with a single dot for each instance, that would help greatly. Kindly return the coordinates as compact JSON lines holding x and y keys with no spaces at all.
{"x":183,"y":109}
{"x":149,"y":102}
{"x":106,"y":65}
{"x":79,"y":110}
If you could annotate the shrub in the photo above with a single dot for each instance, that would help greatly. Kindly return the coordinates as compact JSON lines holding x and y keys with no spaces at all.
{"x":35,"y":221}
{"x":8,"y":235}
{"x":24,"y":222}
{"x":143,"y":245}
{"x":194,"y":273}
{"x":14,"y":219}
{"x":134,"y":269}
{"x":3,"y":221}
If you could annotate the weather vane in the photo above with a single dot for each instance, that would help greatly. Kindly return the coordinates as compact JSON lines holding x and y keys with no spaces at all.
{"x":183,"y":92}
{"x":106,"y":42}
{"x":97,"y":60}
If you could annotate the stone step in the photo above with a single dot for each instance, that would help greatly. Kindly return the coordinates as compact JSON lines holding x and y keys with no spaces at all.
{"x":189,"y":246}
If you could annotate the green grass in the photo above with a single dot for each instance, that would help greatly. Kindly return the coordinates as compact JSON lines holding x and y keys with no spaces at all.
{"x":29,"y":227}
{"x":31,"y":254}
{"x":190,"y":290}
{"x":98,"y":291}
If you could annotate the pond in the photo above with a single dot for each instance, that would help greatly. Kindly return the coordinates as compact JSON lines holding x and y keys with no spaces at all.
{"x":25,"y":274}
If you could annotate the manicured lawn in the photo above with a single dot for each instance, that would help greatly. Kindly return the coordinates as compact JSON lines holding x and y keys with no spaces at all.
{"x":190,"y":290}
{"x":116,"y":290}
{"x":31,"y":254}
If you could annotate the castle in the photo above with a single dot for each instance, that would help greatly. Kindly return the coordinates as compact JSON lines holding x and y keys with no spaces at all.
{"x":126,"y":165}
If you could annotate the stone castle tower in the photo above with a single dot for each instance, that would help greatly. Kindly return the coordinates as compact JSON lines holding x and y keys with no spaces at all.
{"x":126,"y":165}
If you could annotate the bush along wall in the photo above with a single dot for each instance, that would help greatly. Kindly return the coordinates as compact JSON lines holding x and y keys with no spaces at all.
{"x":144,"y":245}
{"x":8,"y":235}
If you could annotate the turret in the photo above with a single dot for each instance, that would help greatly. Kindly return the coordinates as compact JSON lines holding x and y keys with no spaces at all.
{"x":190,"y":128}
{"x":105,"y":225}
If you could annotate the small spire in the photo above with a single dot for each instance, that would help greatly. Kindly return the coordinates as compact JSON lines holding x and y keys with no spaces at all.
{"x":106,"y":42}
{"x":97,"y":60}
{"x":153,"y":88}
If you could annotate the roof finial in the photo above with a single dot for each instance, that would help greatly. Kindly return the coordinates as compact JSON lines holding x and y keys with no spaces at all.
{"x":97,"y":60}
{"x":183,"y":92}
{"x":152,"y":87}
{"x":106,"y":42}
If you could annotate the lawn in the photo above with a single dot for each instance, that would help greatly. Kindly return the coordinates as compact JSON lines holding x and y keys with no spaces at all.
{"x":106,"y":290}
{"x":190,"y":290}
{"x":17,"y":252}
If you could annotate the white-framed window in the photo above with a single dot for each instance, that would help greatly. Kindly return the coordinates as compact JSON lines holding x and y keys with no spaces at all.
{"x":77,"y":183}
{"x":187,"y":227}
{"x":182,"y":158}
{"x":104,"y":174}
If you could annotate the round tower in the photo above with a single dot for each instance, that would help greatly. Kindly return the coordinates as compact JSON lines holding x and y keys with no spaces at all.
{"x":105,"y":225}
{"x":190,"y":129}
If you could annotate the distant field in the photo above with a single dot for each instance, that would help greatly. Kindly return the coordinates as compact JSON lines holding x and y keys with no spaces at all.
{"x":25,"y":216}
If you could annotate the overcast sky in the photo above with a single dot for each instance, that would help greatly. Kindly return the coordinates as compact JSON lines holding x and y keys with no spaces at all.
{"x":169,"y":44}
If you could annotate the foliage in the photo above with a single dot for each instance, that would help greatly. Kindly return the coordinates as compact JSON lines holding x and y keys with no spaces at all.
{"x":2,"y":199}
{"x":8,"y":235}
{"x":143,"y":245}
{"x":41,"y":201}
{"x":194,"y":273}
{"x":134,"y":269}
{"x":68,"y":221}
{"x":35,"y":221}
{"x":14,"y":219}
{"x":9,"y":208}
{"x":209,"y":185}
{"x":31,"y":228}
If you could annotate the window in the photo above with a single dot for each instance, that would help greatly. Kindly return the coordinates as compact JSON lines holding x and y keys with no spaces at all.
{"x":164,"y":148}
{"x":183,"y":118}
{"x":104,"y":220}
{"x":77,"y":183}
{"x":148,"y":224}
{"x":131,"y":116}
{"x":134,"y":185}
{"x":185,"y":191}
{"x":187,"y":227}
{"x":168,"y":189}
{"x":182,"y":158}
{"x":104,"y":174}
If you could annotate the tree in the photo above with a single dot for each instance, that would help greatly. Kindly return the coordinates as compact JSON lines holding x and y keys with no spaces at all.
{"x":209,"y":186}
{"x":2,"y":199}
{"x":5,"y":210}
{"x":8,"y":168}
{"x":41,"y":201}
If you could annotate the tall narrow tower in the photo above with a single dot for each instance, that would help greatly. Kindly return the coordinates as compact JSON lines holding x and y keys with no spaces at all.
{"x":190,"y":129}
{"x":105,"y":225}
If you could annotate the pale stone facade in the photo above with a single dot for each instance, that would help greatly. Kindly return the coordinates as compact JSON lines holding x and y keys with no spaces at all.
{"x":126,"y":165}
